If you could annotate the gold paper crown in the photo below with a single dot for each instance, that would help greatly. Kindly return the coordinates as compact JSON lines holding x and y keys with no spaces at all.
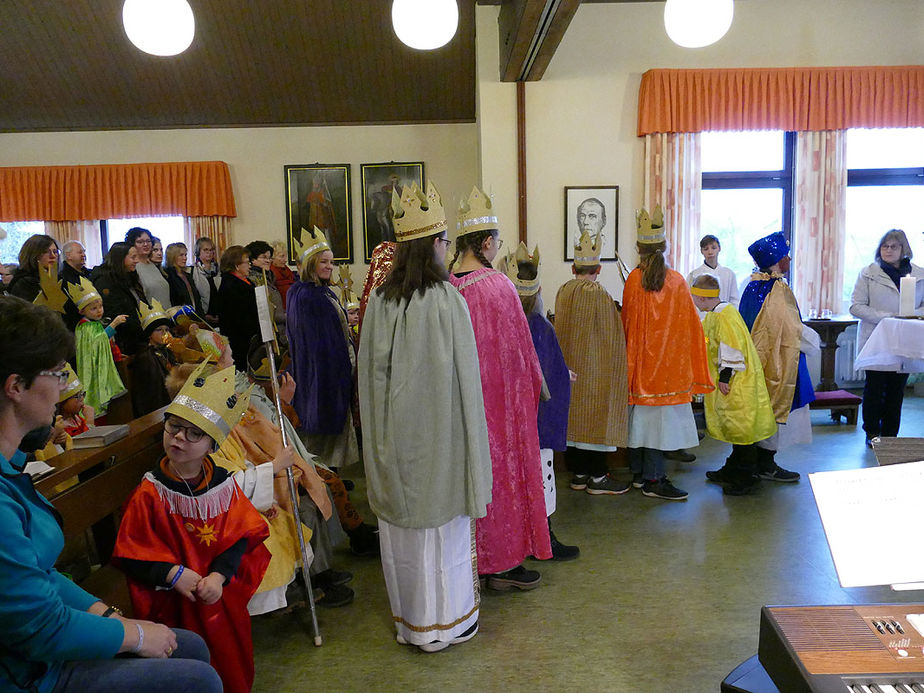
{"x":650,"y":229}
{"x":73,"y":385}
{"x":348,"y":298}
{"x":148,"y":314}
{"x":417,"y":215}
{"x":315,"y":242}
{"x":211,"y":402}
{"x":476,"y":213}
{"x":587,"y":252}
{"x":83,"y":293}
{"x":51,"y":294}
{"x":525,"y":287}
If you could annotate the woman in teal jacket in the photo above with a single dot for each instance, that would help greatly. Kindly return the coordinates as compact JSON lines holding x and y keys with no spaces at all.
{"x":54,"y":636}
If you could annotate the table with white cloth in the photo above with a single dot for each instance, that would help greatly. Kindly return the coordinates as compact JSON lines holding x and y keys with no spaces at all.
{"x":895,"y":345}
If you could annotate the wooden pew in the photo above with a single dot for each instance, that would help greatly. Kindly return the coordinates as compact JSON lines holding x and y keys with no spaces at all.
{"x":105,"y":478}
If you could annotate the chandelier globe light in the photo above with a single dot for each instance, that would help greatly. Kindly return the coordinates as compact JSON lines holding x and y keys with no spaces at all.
{"x":425,"y":24}
{"x":697,"y":23}
{"x":159,"y":27}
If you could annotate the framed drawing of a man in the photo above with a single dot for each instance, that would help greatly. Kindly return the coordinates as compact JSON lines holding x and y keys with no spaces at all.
{"x":319,"y":195}
{"x":378,"y":181}
{"x":592,"y":208}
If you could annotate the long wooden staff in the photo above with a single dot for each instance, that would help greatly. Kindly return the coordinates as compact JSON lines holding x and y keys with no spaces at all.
{"x":266,"y":334}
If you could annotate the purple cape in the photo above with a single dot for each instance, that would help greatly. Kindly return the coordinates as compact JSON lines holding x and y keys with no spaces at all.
{"x":553,"y":413}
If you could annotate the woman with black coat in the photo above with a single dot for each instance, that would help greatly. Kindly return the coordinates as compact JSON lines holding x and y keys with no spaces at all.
{"x":38,"y":250}
{"x":183,"y":291}
{"x":238,"y":303}
{"x":118,"y":284}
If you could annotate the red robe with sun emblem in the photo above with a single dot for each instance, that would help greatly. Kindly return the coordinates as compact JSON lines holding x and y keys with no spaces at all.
{"x":166,"y":522}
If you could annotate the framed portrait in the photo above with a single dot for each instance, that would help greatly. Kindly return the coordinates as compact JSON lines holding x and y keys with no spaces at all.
{"x":592,"y":208}
{"x":378,"y":181}
{"x":319,"y":195}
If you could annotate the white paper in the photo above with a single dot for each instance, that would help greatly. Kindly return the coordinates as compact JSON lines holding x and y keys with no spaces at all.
{"x":263,"y":314}
{"x":872,"y":519}
{"x":906,"y":296}
{"x":37,"y":468}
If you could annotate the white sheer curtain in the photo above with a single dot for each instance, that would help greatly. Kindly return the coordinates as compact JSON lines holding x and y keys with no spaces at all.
{"x":820,"y":220}
{"x":673,"y":179}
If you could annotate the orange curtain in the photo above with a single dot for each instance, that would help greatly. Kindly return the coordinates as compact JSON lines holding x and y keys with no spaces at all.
{"x":794,"y":99}
{"x":72,"y":193}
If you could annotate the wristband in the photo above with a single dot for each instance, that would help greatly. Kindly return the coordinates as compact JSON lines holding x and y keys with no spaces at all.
{"x":111,"y":610}
{"x":176,"y":577}
{"x":137,"y":648}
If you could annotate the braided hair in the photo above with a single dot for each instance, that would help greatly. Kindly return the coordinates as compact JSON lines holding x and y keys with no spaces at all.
{"x":473,"y":242}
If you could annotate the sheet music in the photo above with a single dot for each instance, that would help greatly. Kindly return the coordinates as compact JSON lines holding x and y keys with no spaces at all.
{"x":872,"y":520}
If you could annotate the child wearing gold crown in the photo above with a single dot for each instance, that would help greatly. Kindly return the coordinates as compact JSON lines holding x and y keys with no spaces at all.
{"x":516,"y":524}
{"x":152,"y":364}
{"x":190,"y":542}
{"x":97,"y":352}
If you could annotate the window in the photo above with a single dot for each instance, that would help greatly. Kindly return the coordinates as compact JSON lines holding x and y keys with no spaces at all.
{"x":167,"y":229}
{"x":747,"y":191}
{"x":17,"y":232}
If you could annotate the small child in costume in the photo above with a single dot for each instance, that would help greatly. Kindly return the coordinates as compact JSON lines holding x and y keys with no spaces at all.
{"x":190,"y":541}
{"x":97,"y":352}
{"x":72,"y":417}
{"x":152,"y":363}
{"x":738,"y":411}
{"x":523,"y":270}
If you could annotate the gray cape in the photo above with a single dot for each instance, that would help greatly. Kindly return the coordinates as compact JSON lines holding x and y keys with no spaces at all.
{"x":425,"y":438}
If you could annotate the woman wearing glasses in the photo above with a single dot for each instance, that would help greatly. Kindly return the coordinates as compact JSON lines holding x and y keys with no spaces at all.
{"x":875,"y":297}
{"x":38,"y":251}
{"x":149,"y":271}
{"x":53,"y":634}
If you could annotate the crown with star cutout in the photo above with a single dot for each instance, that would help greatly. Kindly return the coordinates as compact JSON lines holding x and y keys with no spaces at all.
{"x":210,"y":402}
{"x":417,"y":215}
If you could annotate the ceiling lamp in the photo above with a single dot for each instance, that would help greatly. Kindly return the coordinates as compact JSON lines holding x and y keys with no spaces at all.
{"x":425,"y":24}
{"x":159,"y":27}
{"x":697,"y":23}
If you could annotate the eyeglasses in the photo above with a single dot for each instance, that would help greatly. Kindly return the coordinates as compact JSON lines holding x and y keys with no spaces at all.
{"x":143,"y":242}
{"x":891,"y":246}
{"x":60,"y":375}
{"x":498,"y":243}
{"x":445,"y":240}
{"x":191,"y":433}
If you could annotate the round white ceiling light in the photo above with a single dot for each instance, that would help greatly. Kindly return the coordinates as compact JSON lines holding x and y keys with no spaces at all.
{"x":159,"y":27}
{"x":425,"y":24}
{"x":697,"y":23}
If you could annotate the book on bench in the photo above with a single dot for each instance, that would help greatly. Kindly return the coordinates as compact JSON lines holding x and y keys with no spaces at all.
{"x":99,"y":436}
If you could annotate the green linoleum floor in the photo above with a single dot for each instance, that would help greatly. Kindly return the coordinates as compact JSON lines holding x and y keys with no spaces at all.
{"x":666,"y":596}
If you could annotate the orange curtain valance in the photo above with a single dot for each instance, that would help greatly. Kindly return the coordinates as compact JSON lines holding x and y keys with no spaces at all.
{"x":73,"y":193}
{"x":796,"y":99}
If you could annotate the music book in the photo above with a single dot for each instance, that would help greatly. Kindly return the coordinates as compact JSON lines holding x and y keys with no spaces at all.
{"x":872,"y":520}
{"x":98,"y":436}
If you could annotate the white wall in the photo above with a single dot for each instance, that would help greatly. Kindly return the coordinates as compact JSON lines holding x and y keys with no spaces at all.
{"x":256,"y":157}
{"x":582,"y":116}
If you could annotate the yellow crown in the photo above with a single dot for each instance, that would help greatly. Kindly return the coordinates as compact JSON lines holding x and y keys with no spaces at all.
{"x":587,"y":252}
{"x":211,"y":402}
{"x":348,"y":298}
{"x":417,"y":215}
{"x":476,"y":213}
{"x":525,"y":287}
{"x":82,"y":294}
{"x":650,"y":228}
{"x":315,"y":242}
{"x":51,"y":294}
{"x":148,"y":314}
{"x":73,"y":385}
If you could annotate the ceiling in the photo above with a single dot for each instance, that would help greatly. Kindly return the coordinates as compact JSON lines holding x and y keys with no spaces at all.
{"x":67,"y":65}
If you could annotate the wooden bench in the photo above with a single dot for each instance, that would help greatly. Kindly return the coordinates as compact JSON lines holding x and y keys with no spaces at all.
{"x":840,"y":402}
{"x":105,"y":478}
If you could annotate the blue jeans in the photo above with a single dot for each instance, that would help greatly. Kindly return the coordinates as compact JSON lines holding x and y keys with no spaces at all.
{"x":187,"y":670}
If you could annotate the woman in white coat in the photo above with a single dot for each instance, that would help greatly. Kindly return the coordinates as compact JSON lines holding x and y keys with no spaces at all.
{"x":875,"y":297}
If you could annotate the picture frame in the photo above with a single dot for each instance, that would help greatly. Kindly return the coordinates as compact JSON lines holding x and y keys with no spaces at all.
{"x":378,"y":180}
{"x":319,"y":195}
{"x":580,"y":216}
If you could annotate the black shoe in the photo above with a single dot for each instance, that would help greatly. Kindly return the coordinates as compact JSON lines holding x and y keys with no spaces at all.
{"x":330,"y":577}
{"x":638,"y":480}
{"x":562,"y":552}
{"x":663,"y":488}
{"x":517,"y":578}
{"x":719,"y":476}
{"x":779,"y":474}
{"x":364,"y":540}
{"x":335,"y":596}
{"x":680,"y":455}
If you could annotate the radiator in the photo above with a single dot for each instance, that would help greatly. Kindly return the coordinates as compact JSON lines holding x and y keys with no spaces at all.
{"x":844,"y":371}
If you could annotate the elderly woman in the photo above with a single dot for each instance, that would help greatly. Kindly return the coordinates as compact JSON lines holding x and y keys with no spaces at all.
{"x":261,"y":272}
{"x":148,"y":268}
{"x":285,"y":277}
{"x":117,"y":281}
{"x":53,"y":634}
{"x":38,"y":251}
{"x":183,"y":290}
{"x":238,"y":303}
{"x":207,"y":278}
{"x":875,"y":297}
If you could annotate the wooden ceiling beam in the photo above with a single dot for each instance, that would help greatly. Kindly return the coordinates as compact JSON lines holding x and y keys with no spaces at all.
{"x":530,"y":32}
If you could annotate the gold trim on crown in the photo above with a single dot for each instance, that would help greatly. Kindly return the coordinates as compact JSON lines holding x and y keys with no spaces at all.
{"x":587,"y":252}
{"x":73,"y":385}
{"x":650,"y":229}
{"x":151,"y":313}
{"x":211,"y":402}
{"x":525,"y":287}
{"x":417,"y":215}
{"x":476,"y":214}
{"x":315,"y":243}
{"x":83,"y":293}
